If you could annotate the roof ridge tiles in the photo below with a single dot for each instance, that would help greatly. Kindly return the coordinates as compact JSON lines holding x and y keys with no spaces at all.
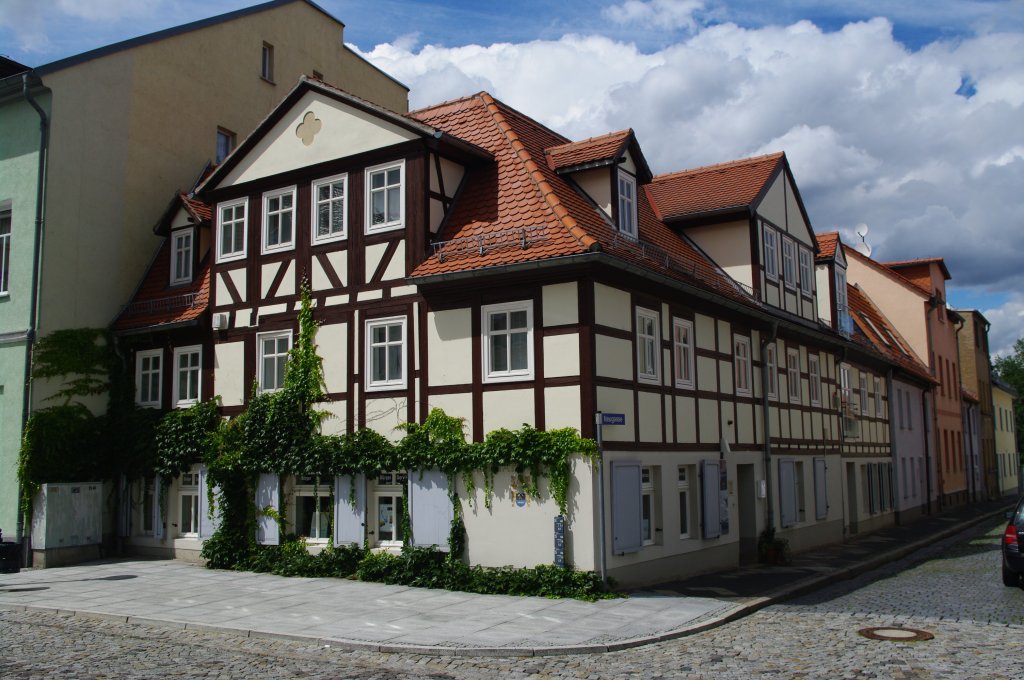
{"x":589,"y":140}
{"x":494,"y":109}
{"x":722,"y":166}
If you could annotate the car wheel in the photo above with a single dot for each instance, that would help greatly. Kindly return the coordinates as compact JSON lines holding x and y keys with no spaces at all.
{"x":1010,"y":578}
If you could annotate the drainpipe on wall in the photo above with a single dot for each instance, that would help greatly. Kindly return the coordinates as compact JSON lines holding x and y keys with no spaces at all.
{"x":933,"y":304}
{"x":602,"y":563}
{"x":893,"y":449}
{"x":766,"y":425}
{"x":33,"y":310}
{"x":927,"y":448}
{"x":975,"y":456}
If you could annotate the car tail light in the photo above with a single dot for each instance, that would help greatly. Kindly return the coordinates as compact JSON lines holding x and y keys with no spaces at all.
{"x":1010,"y":535}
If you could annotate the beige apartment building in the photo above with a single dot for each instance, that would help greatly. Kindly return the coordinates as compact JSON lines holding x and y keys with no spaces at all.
{"x":125,"y":126}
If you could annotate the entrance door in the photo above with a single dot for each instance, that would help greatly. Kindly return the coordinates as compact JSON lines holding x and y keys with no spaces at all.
{"x":851,"y":496}
{"x":388,"y":514}
{"x":746,"y":502}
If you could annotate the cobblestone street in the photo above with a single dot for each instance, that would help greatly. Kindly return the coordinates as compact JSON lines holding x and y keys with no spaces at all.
{"x":956,"y":595}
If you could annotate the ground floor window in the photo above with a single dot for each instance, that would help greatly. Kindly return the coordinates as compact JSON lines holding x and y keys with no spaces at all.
{"x":685,"y":474}
{"x":389,"y":505}
{"x":648,"y":505}
{"x":188,"y":499}
{"x":312,"y":510}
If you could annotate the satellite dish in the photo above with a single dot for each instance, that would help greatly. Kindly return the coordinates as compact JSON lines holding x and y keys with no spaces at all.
{"x":864,"y":248}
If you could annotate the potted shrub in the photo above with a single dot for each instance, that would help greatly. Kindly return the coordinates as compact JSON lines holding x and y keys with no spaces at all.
{"x":771,"y":549}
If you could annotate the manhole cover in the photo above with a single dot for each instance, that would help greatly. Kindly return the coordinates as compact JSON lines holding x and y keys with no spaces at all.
{"x":897,"y":634}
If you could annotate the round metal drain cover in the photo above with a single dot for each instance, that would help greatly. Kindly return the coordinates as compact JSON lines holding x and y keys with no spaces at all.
{"x":896,"y":634}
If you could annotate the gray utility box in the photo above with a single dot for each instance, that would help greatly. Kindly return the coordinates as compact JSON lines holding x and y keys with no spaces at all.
{"x":67,"y":523}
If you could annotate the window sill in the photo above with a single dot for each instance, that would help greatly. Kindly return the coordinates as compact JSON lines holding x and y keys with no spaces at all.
{"x":233,"y":257}
{"x":329,"y":239}
{"x":387,"y":387}
{"x":519,"y":377}
{"x":282,"y":248}
{"x":384,"y":228}
{"x":267,"y":80}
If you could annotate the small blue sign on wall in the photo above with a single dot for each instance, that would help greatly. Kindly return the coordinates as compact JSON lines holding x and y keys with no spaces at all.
{"x":613,"y":418}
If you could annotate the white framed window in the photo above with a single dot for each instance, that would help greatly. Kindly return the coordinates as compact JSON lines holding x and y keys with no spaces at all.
{"x":741,"y":364}
{"x":878,"y":397}
{"x":388,"y":503}
{"x":231,"y":223}
{"x":508,"y":341}
{"x":863,"y":393}
{"x":647,"y":352}
{"x":789,"y":262}
{"x":273,"y":357}
{"x":188,"y":502}
{"x":685,"y":474}
{"x":385,"y":354}
{"x":814,"y":379}
{"x":385,"y":200}
{"x":910,"y":414}
{"x":627,"y":204}
{"x":648,"y":505}
{"x":771,"y":252}
{"x":313,"y":509}
{"x":330,"y":208}
{"x":267,"y":62}
{"x":771,"y":365}
{"x":5,"y":251}
{"x":181,"y":256}
{"x":806,"y":272}
{"x":187,"y":363}
{"x":148,"y":382}
{"x":682,"y":348}
{"x":793,"y":375}
{"x":279,"y":220}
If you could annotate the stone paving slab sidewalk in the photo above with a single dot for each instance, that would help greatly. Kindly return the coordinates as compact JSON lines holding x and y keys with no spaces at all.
{"x":370,"y":616}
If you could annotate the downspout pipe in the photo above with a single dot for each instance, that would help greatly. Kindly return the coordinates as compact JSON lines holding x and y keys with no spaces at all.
{"x":934,"y":302}
{"x":893,"y":448}
{"x":964,"y":416}
{"x":767,"y":338}
{"x":927,"y":448}
{"x":33,"y":310}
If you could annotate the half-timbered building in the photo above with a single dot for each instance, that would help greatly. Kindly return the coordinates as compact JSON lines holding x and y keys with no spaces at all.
{"x":466,"y":257}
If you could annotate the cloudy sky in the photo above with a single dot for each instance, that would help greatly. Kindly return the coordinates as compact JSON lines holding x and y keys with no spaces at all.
{"x":904,"y":116}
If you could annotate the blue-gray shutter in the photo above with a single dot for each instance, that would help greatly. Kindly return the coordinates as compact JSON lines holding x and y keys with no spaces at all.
{"x":349,"y":517}
{"x":820,"y":489}
{"x":430,"y":509}
{"x":124,"y":514}
{"x":626,"y":507}
{"x":158,"y":510}
{"x":268,"y":491}
{"x":787,"y":493}
{"x":710,"y":499}
{"x":209,"y":518}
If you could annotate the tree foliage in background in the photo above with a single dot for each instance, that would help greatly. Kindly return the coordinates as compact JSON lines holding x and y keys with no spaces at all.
{"x":1010,"y":370}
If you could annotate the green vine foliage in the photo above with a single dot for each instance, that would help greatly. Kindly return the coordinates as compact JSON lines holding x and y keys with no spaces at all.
{"x":83,"y":357}
{"x":183,"y":437}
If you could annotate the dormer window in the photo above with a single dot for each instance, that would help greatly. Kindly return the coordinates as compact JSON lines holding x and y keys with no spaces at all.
{"x":806,"y":278}
{"x":789,"y":262}
{"x":771,"y":253}
{"x":181,"y":256}
{"x":627,"y":204}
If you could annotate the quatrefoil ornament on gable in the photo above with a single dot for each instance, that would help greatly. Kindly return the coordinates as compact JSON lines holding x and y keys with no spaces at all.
{"x":308,"y":128}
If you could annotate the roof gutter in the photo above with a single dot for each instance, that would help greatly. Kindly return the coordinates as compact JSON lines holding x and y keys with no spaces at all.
{"x":33,"y":309}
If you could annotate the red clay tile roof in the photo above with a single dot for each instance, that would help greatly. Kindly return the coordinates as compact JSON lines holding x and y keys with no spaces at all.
{"x":713,"y":188}
{"x":156,"y":303}
{"x":968,"y":395}
{"x":607,"y":147}
{"x":871,"y":323}
{"x":516,"y":192}
{"x":827,"y":244}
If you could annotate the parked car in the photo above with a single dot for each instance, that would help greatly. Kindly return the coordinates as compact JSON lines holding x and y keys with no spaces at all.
{"x":1013,"y":538}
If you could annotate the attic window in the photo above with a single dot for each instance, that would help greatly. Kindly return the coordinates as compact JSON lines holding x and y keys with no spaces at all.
{"x":225,"y":143}
{"x":627,"y":204}
{"x":181,"y":256}
{"x":267,"y":62}
{"x":874,"y":328}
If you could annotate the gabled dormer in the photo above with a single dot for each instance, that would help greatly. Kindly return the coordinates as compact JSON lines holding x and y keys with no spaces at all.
{"x":833,"y":300}
{"x":326,"y":166}
{"x":748,"y":216}
{"x":609,"y":170}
